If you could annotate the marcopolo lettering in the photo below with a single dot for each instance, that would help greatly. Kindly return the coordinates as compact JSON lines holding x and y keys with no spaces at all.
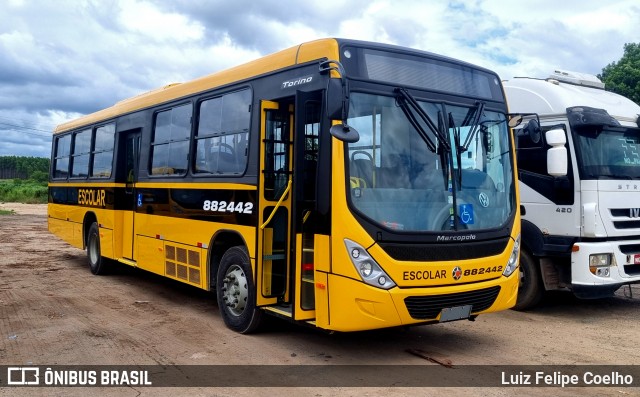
{"x":295,"y":82}
{"x":91,"y":197}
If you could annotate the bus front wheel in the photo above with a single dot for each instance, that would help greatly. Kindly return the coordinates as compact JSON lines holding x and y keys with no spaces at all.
{"x":236,"y":292}
{"x":96,"y":261}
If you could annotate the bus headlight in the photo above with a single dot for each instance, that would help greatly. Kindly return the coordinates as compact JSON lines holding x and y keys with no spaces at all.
{"x":370,"y":272}
{"x":512,"y":263}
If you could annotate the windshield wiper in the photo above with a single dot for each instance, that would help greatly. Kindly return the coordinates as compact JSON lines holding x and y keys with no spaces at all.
{"x":456,"y":142}
{"x":475,"y":125}
{"x":411,"y":108}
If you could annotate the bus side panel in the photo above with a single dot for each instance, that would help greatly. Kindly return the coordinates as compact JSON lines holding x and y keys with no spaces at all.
{"x":106,"y":242}
{"x":322,"y":265}
{"x":151,"y":254}
{"x":322,"y":253}
{"x":322,"y":300}
{"x":63,"y":230}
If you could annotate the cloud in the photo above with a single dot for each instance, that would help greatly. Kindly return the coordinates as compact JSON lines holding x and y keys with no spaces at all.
{"x":70,"y":57}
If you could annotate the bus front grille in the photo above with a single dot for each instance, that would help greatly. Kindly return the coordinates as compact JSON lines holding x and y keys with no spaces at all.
{"x":428,"y":307}
{"x":445,"y":252}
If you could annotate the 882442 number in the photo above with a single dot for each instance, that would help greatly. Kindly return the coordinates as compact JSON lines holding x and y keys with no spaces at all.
{"x":222,"y":206}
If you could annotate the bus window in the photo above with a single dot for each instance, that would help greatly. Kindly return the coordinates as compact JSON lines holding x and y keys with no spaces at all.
{"x":103,"y":151}
{"x":170,"y":146}
{"x":222,"y":137}
{"x":81,"y":149}
{"x":61,"y":160}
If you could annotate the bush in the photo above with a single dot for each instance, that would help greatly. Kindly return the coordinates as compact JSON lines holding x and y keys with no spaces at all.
{"x":20,"y":191}
{"x":39,"y":176}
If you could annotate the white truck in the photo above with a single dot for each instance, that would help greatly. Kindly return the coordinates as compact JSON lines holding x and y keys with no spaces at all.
{"x":579,"y":168}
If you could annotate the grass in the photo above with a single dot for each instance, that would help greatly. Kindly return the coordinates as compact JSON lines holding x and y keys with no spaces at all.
{"x":23,"y":191}
{"x":6,"y":212}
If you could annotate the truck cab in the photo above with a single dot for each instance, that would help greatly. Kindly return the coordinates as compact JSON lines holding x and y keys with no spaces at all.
{"x":578,"y":156}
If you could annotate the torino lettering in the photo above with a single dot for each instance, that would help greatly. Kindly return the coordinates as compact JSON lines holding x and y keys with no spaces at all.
{"x":91,"y":197}
{"x":292,"y":83}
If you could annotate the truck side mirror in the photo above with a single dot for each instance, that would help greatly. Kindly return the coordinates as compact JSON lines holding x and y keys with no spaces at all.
{"x":557,"y":163}
{"x":532,"y":129}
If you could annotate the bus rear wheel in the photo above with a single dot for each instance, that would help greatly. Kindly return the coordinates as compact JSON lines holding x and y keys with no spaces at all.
{"x":236,"y":292}
{"x":94,"y":255}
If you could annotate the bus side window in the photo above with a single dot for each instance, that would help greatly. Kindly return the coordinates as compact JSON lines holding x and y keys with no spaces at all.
{"x":222,"y":135}
{"x":170,"y":146}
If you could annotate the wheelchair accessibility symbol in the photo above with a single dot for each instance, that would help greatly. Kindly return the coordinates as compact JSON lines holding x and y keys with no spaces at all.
{"x":465,"y":212}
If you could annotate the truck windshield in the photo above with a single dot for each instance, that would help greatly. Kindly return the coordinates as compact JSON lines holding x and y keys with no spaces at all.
{"x":398,"y":180}
{"x":608,"y":153}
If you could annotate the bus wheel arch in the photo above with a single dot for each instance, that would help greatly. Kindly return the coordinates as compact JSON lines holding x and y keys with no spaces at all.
{"x":97,"y":263}
{"x":236,"y":291}
{"x":89,"y":219}
{"x":219,"y":244}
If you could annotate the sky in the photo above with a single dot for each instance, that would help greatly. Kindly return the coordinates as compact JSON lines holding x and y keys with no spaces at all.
{"x":66,"y":58}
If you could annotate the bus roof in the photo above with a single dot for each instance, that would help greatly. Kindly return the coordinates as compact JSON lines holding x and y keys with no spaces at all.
{"x":305,"y":52}
{"x":295,"y":55}
{"x":553,"y":97}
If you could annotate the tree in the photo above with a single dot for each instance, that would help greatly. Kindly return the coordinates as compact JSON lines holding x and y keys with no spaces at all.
{"x":623,"y":77}
{"x":12,"y":167}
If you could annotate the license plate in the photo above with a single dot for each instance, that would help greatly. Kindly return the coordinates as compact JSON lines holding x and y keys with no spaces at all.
{"x":455,"y":313}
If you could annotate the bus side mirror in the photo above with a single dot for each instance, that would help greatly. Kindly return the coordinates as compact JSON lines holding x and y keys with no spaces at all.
{"x":557,"y":163}
{"x":337,"y":108}
{"x":335,"y":105}
{"x":515,"y":120}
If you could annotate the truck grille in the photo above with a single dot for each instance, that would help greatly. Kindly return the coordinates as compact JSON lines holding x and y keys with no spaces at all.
{"x":625,"y":218}
{"x":428,"y":307}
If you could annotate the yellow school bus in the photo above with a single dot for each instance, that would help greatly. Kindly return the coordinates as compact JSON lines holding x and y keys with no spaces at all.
{"x":345,"y":184}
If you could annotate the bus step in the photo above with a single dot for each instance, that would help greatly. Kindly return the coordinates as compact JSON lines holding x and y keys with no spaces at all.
{"x":284,"y":311}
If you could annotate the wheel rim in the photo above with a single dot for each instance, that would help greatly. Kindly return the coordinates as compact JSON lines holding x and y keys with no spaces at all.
{"x":93,"y":249}
{"x":234,"y":290}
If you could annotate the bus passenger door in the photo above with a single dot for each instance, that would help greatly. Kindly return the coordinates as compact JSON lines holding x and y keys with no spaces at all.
{"x":306,"y":220}
{"x":274,"y":212}
{"x":130,"y":202}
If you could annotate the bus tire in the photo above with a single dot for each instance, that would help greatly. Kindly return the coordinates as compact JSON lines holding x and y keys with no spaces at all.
{"x":236,"y":292}
{"x":94,"y":255}
{"x":531,"y":289}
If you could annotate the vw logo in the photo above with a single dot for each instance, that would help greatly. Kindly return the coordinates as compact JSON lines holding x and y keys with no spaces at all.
{"x":456,"y":273}
{"x":483,"y":199}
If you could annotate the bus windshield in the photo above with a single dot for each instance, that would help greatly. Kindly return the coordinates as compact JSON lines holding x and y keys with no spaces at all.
{"x":608,"y":153}
{"x":403,"y":181}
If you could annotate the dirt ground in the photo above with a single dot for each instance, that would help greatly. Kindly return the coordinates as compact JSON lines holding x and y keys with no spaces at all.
{"x":53,"y":311}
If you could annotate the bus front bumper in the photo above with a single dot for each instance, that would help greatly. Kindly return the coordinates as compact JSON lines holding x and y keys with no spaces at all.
{"x":356,"y":306}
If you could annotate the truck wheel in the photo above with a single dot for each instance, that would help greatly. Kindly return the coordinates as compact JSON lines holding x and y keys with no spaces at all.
{"x":236,"y":292}
{"x":531,"y":289}
{"x":96,"y":261}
